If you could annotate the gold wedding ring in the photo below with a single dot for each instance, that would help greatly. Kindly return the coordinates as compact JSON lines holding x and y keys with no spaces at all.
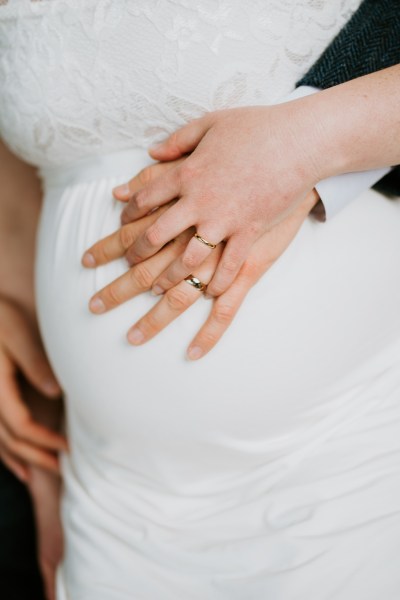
{"x":196,"y":283}
{"x":205,"y":242}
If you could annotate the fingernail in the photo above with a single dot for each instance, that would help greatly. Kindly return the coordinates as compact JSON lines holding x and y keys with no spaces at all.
{"x":97,"y":305}
{"x":135,"y":336}
{"x":157,"y":290}
{"x":122,"y":191}
{"x":124,"y":218}
{"x":50,"y":387}
{"x":195,"y":353}
{"x":88,"y":260}
{"x":21,"y":475}
{"x":156,"y":147}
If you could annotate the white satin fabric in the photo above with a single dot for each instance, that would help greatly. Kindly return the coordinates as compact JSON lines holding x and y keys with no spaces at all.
{"x":269,"y":469}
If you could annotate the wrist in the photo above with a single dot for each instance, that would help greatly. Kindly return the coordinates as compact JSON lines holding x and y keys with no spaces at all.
{"x":334,"y":138}
{"x":355,"y":125}
{"x":328,"y":138}
{"x":308,"y":145}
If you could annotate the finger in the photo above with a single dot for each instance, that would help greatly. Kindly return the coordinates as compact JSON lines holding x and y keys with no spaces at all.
{"x":263,"y":255}
{"x":139,"y":278}
{"x":24,"y":345}
{"x":49,"y":578}
{"x":235,"y":253}
{"x":28,"y":453}
{"x":222,"y":314}
{"x":142,"y":179}
{"x":115,"y":245}
{"x":16,"y":467}
{"x":167,"y":227}
{"x":159,"y":192}
{"x":173,"y":304}
{"x":16,"y":418}
{"x":194,"y":255}
{"x":183,"y":140}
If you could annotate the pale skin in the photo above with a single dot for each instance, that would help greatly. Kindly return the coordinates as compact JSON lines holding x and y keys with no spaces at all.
{"x":249,"y":168}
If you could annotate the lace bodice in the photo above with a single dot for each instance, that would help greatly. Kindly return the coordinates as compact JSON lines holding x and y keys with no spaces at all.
{"x":81,"y":78}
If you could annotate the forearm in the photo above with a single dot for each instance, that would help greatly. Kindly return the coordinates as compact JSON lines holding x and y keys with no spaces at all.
{"x":20,"y":199}
{"x":356,"y":124}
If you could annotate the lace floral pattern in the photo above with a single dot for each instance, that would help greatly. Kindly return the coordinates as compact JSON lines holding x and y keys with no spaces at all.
{"x":83,"y":78}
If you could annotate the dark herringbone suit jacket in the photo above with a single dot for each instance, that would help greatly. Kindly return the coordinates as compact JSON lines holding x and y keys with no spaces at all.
{"x":369,"y":42}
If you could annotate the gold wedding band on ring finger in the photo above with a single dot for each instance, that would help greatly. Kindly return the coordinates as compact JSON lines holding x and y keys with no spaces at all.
{"x":196,"y":283}
{"x":204,"y":241}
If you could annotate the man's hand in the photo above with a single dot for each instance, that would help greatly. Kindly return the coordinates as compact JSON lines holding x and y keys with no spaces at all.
{"x":141,"y":277}
{"x":249,"y":168}
{"x":45,"y":489}
{"x":22,"y":440}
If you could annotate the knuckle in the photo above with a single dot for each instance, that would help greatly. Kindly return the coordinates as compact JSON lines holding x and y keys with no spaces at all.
{"x":177,"y":300}
{"x":189,"y":261}
{"x":18,"y":429}
{"x":255,"y":229}
{"x":145,"y":175}
{"x":12,"y":446}
{"x":249,"y":269}
{"x":224,"y":313}
{"x":208,"y":339}
{"x":188,"y":171}
{"x":132,"y":256}
{"x":126,"y":236}
{"x":166,"y":281}
{"x":140,"y":200}
{"x":230,"y":265}
{"x":128,"y":214}
{"x":152,"y":236}
{"x":112,"y":295}
{"x":150,"y":325}
{"x":174,"y":141}
{"x":216,"y":290}
{"x":101,"y":252}
{"x":142,"y":276}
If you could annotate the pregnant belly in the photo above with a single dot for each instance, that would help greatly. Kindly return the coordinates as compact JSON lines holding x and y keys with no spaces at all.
{"x":319,"y":325}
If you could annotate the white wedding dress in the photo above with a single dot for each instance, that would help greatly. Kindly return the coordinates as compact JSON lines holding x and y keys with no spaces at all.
{"x":269,"y":470}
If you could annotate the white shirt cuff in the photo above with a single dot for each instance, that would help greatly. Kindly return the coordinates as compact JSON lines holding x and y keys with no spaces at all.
{"x":338,"y":191}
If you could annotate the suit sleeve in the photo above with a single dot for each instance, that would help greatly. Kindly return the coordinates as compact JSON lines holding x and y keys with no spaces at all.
{"x":370,"y":41}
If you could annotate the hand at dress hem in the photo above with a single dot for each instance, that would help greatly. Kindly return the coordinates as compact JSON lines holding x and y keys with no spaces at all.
{"x":23,"y":440}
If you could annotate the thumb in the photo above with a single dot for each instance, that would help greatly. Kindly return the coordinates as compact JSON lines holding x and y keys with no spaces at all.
{"x":182,"y":141}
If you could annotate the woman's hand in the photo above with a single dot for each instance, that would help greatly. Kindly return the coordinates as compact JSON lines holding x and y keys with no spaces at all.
{"x":263,"y":254}
{"x":141,"y":277}
{"x":23,"y":441}
{"x":248,"y":169}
